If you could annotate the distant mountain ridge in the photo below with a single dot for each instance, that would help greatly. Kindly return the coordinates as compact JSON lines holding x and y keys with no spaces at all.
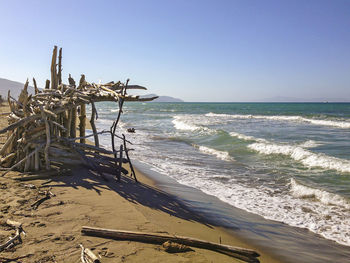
{"x":163,"y":98}
{"x":291,"y":99}
{"x":15,"y":88}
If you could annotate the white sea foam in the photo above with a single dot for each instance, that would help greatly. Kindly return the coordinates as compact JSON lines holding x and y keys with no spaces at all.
{"x":180,"y":125}
{"x":304,"y":156}
{"x":330,"y":123}
{"x":321,"y":212}
{"x":186,"y":123}
{"x":310,"y":144}
{"x":330,"y":221}
{"x":326,"y":214}
{"x":301,"y":191}
{"x":246,"y":137}
{"x":225,"y":156}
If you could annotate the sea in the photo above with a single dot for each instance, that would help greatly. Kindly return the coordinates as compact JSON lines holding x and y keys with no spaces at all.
{"x":286,"y":163}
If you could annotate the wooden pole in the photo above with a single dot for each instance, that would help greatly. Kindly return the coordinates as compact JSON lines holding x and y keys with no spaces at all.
{"x":59,"y":75}
{"x":82,"y":124}
{"x":48,"y":138}
{"x":69,"y":122}
{"x":92,"y":122}
{"x":73,"y":126}
{"x":47,"y":84}
{"x":36,"y":90}
{"x":54,"y":69}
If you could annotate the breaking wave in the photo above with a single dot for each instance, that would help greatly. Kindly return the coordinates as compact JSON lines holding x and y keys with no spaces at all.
{"x":246,"y":137}
{"x":304,"y":156}
{"x":302,"y":191}
{"x":181,"y":125}
{"x":225,"y":156}
{"x":331,"y":123}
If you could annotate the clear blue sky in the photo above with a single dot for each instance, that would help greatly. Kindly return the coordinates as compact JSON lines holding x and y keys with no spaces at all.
{"x":197,"y":50}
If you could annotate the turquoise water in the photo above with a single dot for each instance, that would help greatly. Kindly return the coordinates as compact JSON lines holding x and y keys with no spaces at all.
{"x":288,"y":162}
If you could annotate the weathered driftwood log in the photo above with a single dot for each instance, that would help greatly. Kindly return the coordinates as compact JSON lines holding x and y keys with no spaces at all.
{"x":82,"y":124}
{"x":91,"y":256}
{"x":161,"y":238}
{"x":59,"y":74}
{"x":92,"y":123}
{"x":48,"y":138}
{"x":20,"y":123}
{"x":7,"y":143}
{"x":54,"y":69}
{"x":36,"y":90}
{"x":73,"y":126}
{"x":17,"y":236}
{"x":87,"y":256}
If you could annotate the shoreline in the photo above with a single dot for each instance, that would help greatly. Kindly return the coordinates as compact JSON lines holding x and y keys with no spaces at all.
{"x":82,"y":199}
{"x":276,"y":239}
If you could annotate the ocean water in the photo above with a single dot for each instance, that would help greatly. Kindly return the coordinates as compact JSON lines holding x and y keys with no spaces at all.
{"x":287,"y":162}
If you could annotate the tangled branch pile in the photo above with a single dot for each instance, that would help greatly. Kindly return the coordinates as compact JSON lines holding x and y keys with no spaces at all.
{"x":42,"y":130}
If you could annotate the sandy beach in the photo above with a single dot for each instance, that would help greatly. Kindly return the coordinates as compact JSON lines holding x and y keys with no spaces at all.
{"x":83,"y":199}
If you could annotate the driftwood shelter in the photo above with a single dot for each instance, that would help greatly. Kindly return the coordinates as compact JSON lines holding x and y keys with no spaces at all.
{"x":47,"y":130}
{"x":47,"y":133}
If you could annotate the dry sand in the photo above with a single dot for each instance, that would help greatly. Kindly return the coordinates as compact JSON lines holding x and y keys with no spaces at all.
{"x":83,"y":199}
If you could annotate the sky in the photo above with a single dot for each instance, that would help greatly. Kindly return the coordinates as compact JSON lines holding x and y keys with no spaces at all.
{"x":196,"y":50}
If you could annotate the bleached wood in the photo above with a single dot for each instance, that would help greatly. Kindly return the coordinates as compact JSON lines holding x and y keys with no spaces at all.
{"x":161,"y":238}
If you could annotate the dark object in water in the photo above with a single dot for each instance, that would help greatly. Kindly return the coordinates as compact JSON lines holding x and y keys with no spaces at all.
{"x":131,"y":130}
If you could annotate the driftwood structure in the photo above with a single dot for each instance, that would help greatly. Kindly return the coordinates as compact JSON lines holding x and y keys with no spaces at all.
{"x":47,"y":130}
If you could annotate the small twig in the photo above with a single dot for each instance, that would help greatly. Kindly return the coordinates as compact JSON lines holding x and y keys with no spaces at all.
{"x":47,"y":196}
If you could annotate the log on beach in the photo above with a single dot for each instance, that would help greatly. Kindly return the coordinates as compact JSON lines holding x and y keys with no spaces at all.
{"x":248,"y":254}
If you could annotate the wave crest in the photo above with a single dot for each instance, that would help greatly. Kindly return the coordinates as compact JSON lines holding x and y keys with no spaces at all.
{"x":302,"y":191}
{"x":306,"y":157}
{"x":330,"y":123}
{"x":225,"y":156}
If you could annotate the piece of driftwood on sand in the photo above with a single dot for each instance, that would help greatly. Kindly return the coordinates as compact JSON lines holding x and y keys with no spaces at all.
{"x":87,"y":256}
{"x":247,"y":255}
{"x":47,"y":130}
{"x":17,"y":237}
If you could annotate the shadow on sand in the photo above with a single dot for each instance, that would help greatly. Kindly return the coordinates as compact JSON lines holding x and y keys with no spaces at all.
{"x":137,"y":193}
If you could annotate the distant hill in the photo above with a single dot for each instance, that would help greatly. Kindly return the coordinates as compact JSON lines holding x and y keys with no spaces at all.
{"x":291,"y":99}
{"x":14,"y":86}
{"x":163,"y":98}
